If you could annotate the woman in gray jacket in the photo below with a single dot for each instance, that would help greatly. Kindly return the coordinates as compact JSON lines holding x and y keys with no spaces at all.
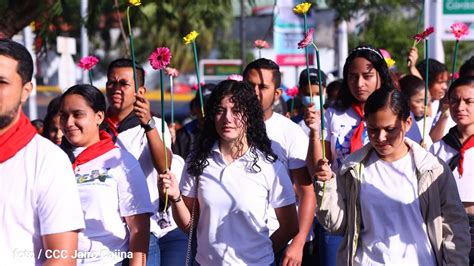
{"x":394,"y":202}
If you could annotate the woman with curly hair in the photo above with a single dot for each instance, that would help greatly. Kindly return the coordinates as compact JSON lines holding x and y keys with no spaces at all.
{"x":232,"y":177}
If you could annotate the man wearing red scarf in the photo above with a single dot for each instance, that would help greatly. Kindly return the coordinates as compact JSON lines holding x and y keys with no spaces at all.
{"x":39,"y":203}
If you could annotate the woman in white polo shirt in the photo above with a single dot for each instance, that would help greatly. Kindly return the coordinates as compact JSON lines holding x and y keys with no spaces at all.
{"x":112,"y":187}
{"x":230,"y":180}
{"x":457,"y":147}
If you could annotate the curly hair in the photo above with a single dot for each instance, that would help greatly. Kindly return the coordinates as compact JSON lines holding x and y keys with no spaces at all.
{"x":245,"y":100}
{"x":374,"y":56}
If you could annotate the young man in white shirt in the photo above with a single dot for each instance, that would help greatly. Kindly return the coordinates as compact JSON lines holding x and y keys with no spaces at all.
{"x":129,"y":117}
{"x":290,"y":144}
{"x":39,"y":203}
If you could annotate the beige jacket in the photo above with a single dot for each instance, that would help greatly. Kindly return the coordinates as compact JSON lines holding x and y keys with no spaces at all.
{"x":446,"y":221}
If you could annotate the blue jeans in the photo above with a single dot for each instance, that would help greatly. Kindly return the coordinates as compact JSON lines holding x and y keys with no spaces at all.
{"x":326,"y":246}
{"x":153,"y":252}
{"x":173,"y":247}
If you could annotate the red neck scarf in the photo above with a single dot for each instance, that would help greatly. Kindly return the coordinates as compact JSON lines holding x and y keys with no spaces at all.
{"x":356,"y":139}
{"x":97,"y":149}
{"x":469,"y":143}
{"x":112,"y":125}
{"x":16,"y":137}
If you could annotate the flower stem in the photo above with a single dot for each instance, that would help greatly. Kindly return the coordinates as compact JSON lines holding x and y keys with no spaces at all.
{"x":305,"y":26}
{"x":130,"y":35}
{"x":163,"y":128}
{"x":453,"y":70}
{"x":90,"y":76}
{"x":426,"y":90}
{"x":321,"y":108}
{"x":197,"y":76}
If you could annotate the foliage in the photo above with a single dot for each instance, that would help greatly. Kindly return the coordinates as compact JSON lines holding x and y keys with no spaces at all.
{"x":390,"y":31}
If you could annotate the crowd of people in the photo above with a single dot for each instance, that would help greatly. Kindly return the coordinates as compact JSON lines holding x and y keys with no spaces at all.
{"x":385,"y":181}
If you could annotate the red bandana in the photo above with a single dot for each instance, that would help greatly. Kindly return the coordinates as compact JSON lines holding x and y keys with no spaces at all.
{"x":97,"y":149}
{"x":469,"y":143}
{"x":356,"y":139}
{"x":16,"y":137}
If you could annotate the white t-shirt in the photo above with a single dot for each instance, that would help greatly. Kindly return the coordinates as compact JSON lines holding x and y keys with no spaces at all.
{"x":465,"y":183}
{"x":134,"y":141}
{"x":393,"y":232}
{"x":289,"y":141}
{"x":339,"y":128}
{"x":233,"y":200}
{"x":290,"y":144}
{"x":166,"y":218}
{"x":111,"y":186}
{"x":38,"y":196}
{"x":416,"y":131}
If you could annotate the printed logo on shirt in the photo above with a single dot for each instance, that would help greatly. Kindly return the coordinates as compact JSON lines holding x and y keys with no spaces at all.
{"x":343,"y":143}
{"x":94,"y":175}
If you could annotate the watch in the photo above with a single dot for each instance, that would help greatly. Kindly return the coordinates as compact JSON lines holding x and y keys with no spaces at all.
{"x":150,"y":125}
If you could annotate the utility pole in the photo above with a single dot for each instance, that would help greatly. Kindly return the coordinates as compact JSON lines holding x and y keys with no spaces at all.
{"x":242,"y":33}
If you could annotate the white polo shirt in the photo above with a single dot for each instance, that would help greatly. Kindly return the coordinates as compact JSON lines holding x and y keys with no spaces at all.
{"x":290,"y":144}
{"x":134,"y":141}
{"x":234,"y":200}
{"x":38,"y":196}
{"x":465,"y":183}
{"x":339,"y":128}
{"x":111,"y":186}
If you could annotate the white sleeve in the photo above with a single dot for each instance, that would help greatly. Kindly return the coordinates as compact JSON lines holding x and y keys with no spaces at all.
{"x":187,"y":184}
{"x":134,"y":197}
{"x":281,"y":191}
{"x":298,"y":148}
{"x":327,"y":123}
{"x":160,"y":132}
{"x":59,"y":208}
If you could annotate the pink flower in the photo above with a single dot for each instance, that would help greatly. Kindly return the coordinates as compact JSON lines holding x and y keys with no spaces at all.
{"x":235,"y":77}
{"x":421,"y":36}
{"x":88,"y":62}
{"x":195,"y":86}
{"x":459,"y":30}
{"x":171,"y":71}
{"x":308,"y":39}
{"x":160,"y":58}
{"x":261,"y":44}
{"x":456,"y":75}
{"x":292,"y":92}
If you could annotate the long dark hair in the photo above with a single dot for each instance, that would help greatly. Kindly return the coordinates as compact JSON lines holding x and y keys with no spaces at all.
{"x":245,"y":100}
{"x":374,"y":56}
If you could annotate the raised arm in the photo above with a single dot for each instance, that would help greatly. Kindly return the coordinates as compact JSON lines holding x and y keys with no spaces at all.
{"x":155,"y":142}
{"x":312,"y":119}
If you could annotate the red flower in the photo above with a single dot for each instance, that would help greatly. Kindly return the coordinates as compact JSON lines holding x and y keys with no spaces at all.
{"x":235,"y":77}
{"x":88,"y":62}
{"x":292,"y":92}
{"x":171,"y":71}
{"x":160,"y":58}
{"x":421,"y":36}
{"x":261,"y":44}
{"x":308,"y":39}
{"x":459,"y":30}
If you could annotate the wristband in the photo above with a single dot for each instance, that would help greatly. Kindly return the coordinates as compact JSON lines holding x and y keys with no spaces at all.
{"x":176,"y":200}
